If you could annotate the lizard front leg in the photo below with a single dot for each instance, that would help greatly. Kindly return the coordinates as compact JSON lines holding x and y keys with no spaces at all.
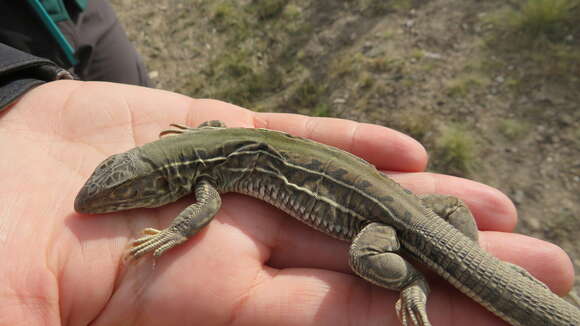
{"x":373,"y":257}
{"x":186,"y":224}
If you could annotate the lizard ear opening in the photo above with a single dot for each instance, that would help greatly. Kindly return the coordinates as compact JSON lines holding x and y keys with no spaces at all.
{"x":161,"y":183}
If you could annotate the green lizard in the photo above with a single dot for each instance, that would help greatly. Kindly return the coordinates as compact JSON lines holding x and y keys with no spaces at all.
{"x":336,"y":193}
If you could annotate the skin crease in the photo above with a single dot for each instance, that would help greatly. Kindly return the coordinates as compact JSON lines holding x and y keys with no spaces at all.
{"x":251,"y":266}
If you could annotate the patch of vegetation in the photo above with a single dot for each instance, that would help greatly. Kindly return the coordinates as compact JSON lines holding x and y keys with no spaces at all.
{"x":383,"y":64}
{"x":267,"y":9}
{"x":226,"y":15}
{"x":541,"y":34}
{"x":375,"y":7}
{"x":513,"y":129}
{"x":465,"y":84}
{"x":349,"y":64}
{"x":426,"y":67}
{"x":365,"y":81}
{"x":536,"y":18}
{"x":379,"y":7}
{"x":310,"y":94}
{"x":258,"y":41}
{"x":249,"y":90}
{"x":417,"y":54}
{"x":292,"y":11}
{"x":242,"y":79}
{"x":402,"y":4}
{"x":291,"y":21}
{"x":417,"y":125}
{"x":513,"y":83}
{"x":321,"y":110}
{"x":456,"y":150}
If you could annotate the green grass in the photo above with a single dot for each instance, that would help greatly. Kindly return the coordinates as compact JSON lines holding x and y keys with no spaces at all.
{"x":267,"y":9}
{"x":242,"y":79}
{"x":417,"y":54}
{"x":540,"y":37}
{"x":309,"y":94}
{"x":226,"y":15}
{"x":379,"y":7}
{"x":257,"y":51}
{"x":402,"y":4}
{"x":466,"y":83}
{"x":416,"y":124}
{"x":322,"y":110}
{"x":366,"y":80}
{"x":513,"y":129}
{"x":456,"y":150}
{"x":543,"y":17}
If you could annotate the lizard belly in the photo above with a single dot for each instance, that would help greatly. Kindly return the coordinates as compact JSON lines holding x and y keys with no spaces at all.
{"x":322,"y":211}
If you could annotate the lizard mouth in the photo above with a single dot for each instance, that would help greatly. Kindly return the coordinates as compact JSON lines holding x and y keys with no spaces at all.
{"x":81,"y":204}
{"x":87,"y":203}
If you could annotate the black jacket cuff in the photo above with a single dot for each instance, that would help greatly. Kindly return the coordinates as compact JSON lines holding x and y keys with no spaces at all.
{"x":20,"y":72}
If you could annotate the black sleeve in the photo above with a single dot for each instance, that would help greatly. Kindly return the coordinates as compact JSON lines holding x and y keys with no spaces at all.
{"x":20,"y":72}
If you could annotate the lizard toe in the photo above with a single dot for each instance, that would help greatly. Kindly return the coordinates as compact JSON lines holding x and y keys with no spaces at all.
{"x":411,"y":306}
{"x":157,"y":241}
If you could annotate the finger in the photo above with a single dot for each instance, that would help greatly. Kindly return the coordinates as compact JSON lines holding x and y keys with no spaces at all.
{"x":148,"y":111}
{"x":201,"y":110}
{"x":135,"y":115}
{"x":315,"y":297}
{"x":329,"y":298}
{"x":383,"y":147}
{"x":544,"y":260}
{"x":118,"y":115}
{"x":492,"y":209}
{"x":291,"y":243}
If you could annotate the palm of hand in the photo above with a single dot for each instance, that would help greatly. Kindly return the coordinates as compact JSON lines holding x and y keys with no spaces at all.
{"x":251,"y":266}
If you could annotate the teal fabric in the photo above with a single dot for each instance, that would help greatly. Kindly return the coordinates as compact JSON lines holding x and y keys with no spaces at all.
{"x":81,"y":3}
{"x":57,"y":10}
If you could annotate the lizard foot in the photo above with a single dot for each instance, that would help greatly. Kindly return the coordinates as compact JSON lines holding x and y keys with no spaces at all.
{"x":156,"y":241}
{"x":411,"y":306}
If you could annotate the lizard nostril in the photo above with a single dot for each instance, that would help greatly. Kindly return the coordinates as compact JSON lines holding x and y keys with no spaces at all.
{"x":79,"y":201}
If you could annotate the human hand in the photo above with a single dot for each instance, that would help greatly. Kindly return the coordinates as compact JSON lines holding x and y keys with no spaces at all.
{"x":252,"y":265}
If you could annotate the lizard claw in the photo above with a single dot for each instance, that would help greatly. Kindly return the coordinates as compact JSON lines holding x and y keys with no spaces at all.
{"x":156,"y":241}
{"x":411,"y":306}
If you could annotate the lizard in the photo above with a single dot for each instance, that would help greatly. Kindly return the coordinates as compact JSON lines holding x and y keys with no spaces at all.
{"x":332,"y":191}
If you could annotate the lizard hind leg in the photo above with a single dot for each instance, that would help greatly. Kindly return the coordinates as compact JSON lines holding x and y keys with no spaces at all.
{"x":454,"y":211}
{"x":373,"y":256}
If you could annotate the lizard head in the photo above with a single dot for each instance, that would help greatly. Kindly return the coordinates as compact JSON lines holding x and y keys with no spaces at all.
{"x":123,"y":181}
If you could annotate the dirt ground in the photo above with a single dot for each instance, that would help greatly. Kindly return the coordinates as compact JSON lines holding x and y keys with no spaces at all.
{"x":449,"y":72}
